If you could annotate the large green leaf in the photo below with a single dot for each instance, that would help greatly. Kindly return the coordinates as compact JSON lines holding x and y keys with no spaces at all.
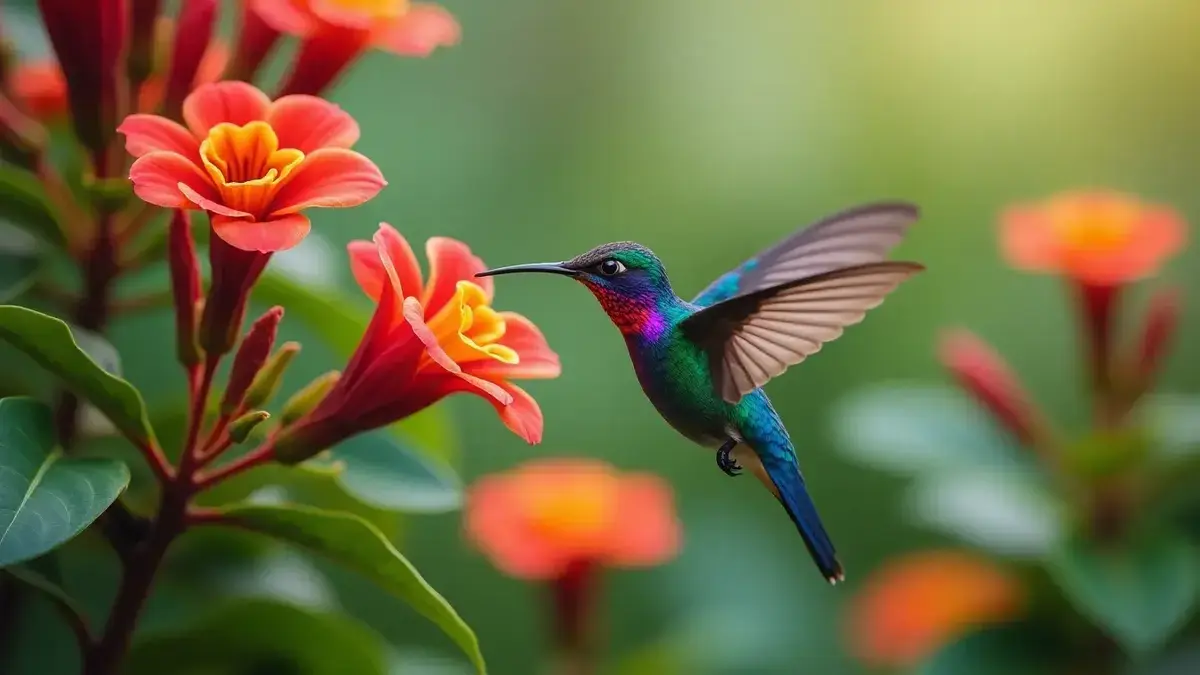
{"x":19,"y":261}
{"x":360,"y":546}
{"x":262,"y":636}
{"x":1140,"y":591}
{"x":23,"y":203}
{"x":997,"y":650}
{"x":46,"y":497}
{"x":49,"y":342}
{"x":43,"y":574}
{"x":381,"y":470}
{"x":914,"y":428}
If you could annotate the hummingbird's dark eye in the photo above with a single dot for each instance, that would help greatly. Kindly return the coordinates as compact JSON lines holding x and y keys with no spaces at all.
{"x":611,"y":267}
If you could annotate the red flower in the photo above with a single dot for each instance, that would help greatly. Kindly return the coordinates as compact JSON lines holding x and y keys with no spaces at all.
{"x":919,"y":603}
{"x":252,"y":164}
{"x":335,"y":32}
{"x":1097,"y":238}
{"x":426,"y":341}
{"x":541,"y":519}
{"x":40,"y":89}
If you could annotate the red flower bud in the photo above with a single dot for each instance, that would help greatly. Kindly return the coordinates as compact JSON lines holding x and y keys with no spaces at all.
{"x":142,"y":40}
{"x":234,"y":273}
{"x":1161,"y":319}
{"x":256,"y":39}
{"x":193,"y":32}
{"x":88,"y":37}
{"x":985,"y":375}
{"x":251,"y":356}
{"x":185,"y":286}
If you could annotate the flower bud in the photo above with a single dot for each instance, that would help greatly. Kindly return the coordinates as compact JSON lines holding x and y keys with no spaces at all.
{"x":249,"y":360}
{"x":192,"y":35}
{"x":140,"y":63}
{"x":1161,"y":320}
{"x":234,"y":273}
{"x":185,"y":286}
{"x":240,"y":429}
{"x":266,"y":383}
{"x":256,"y":39}
{"x":303,"y":401}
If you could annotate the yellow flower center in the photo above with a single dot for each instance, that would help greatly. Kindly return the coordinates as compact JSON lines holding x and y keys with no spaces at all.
{"x":468,"y":328}
{"x":247,"y":164}
{"x":575,"y":511}
{"x":1095,"y":226}
{"x":376,"y":9}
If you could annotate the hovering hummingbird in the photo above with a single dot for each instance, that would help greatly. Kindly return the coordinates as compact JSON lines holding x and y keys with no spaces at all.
{"x":702,"y":363}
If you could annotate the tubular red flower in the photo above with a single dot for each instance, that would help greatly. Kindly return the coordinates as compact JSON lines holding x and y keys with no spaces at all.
{"x":424,"y":342}
{"x":185,"y":286}
{"x":234,"y":273}
{"x":191,"y":46}
{"x":253,"y":164}
{"x":250,"y":357}
{"x":335,"y":32}
{"x":88,"y":37}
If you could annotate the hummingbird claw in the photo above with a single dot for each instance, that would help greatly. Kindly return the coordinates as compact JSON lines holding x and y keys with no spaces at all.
{"x":725,"y":460}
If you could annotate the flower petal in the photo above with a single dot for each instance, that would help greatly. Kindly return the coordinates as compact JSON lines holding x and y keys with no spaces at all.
{"x":537,"y":360}
{"x":368,"y":269}
{"x":148,"y":133}
{"x":285,"y":16}
{"x":414,"y":314}
{"x":159,"y":176}
{"x":522,"y":416}
{"x":419,"y":31}
{"x":210,"y":204}
{"x":308,"y":123}
{"x":230,"y":101}
{"x":267,"y":236}
{"x":498,"y":526}
{"x":329,"y":177}
{"x":451,"y":261}
{"x":650,"y":534}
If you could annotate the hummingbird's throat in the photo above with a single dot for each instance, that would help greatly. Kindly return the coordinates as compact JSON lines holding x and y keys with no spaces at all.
{"x":632,"y":314}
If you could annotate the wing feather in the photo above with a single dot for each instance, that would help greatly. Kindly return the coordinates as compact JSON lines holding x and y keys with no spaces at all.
{"x":755,"y":337}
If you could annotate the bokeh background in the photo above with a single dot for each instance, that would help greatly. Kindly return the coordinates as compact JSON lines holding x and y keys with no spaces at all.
{"x":707,"y":130}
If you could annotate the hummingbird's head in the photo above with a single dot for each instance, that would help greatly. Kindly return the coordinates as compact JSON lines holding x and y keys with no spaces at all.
{"x":626,"y":277}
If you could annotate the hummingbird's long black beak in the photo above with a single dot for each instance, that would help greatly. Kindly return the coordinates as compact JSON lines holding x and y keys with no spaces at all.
{"x":548,"y":268}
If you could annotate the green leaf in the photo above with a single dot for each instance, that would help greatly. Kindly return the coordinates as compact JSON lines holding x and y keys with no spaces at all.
{"x":915,"y":428}
{"x":43,"y":575}
{"x":46,"y":498}
{"x":360,"y":546}
{"x":998,"y":650}
{"x":1140,"y":592}
{"x":48,"y":341}
{"x":262,"y":636}
{"x":24,"y":204}
{"x":379,"y":469}
{"x":19,"y":261}
{"x":1006,"y":512}
{"x":1174,"y":422}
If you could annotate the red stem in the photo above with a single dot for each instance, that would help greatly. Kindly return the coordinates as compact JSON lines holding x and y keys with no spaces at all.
{"x":215,"y":450}
{"x":257,"y":457}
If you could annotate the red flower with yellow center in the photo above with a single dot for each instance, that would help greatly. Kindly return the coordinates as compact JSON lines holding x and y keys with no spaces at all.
{"x":1098,"y":238}
{"x":920,"y":603}
{"x":253,"y":164}
{"x":542,"y":518}
{"x":337,"y":31}
{"x":426,"y":341}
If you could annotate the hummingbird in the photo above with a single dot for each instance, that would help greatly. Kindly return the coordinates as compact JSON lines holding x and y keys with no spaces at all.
{"x":702,"y":363}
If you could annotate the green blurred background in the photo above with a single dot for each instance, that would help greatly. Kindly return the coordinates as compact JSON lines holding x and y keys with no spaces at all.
{"x":707,"y":130}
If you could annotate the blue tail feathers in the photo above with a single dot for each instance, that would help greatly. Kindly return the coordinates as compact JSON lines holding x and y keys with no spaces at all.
{"x":793,"y":494}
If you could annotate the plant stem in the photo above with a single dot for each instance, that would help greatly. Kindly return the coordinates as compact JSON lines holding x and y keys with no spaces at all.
{"x":260,"y":455}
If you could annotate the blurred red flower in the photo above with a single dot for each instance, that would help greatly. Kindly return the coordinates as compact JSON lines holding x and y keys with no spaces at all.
{"x":335,"y":32}
{"x":1097,"y":238}
{"x":917,"y":604}
{"x":543,"y":517}
{"x":253,"y":164}
{"x":40,"y":89}
{"x":426,"y":341}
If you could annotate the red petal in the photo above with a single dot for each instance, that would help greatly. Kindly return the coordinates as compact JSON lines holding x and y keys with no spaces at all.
{"x":285,"y":16}
{"x":419,"y":31}
{"x":650,"y":534}
{"x":342,"y":14}
{"x":450,"y":261}
{"x":538,"y":361}
{"x":231,"y":101}
{"x":157,"y":177}
{"x":414,"y":314}
{"x":308,"y":123}
{"x":523,"y":416}
{"x":330,"y":177}
{"x":368,"y":269}
{"x":210,"y":204}
{"x":498,"y":525}
{"x":267,"y":236}
{"x":148,"y":133}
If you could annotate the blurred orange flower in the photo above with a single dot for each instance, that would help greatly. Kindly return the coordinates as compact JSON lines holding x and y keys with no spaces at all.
{"x":1098,"y":238}
{"x":919,"y":603}
{"x":535,"y":521}
{"x":40,"y":88}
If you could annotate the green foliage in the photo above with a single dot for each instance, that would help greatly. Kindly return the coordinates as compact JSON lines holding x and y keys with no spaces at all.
{"x":46,"y":498}
{"x":43,"y":575}
{"x":19,"y":262}
{"x":49,"y":342}
{"x":1001,"y":650}
{"x":360,"y":546}
{"x":384,"y":471}
{"x":24,"y":204}
{"x":262,"y":636}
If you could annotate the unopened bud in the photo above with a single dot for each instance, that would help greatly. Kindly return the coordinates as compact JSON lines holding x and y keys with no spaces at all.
{"x":140,"y":59}
{"x":185,"y":286}
{"x":303,"y":401}
{"x":249,"y":360}
{"x":266,"y":383}
{"x":1161,"y":321}
{"x":239,"y":429}
{"x":196,"y":21}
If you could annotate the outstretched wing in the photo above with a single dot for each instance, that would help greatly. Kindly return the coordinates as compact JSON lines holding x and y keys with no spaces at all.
{"x":857,"y":236}
{"x":751,"y":338}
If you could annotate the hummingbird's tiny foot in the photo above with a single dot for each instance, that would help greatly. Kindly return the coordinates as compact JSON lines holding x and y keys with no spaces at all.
{"x":725,"y":460}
